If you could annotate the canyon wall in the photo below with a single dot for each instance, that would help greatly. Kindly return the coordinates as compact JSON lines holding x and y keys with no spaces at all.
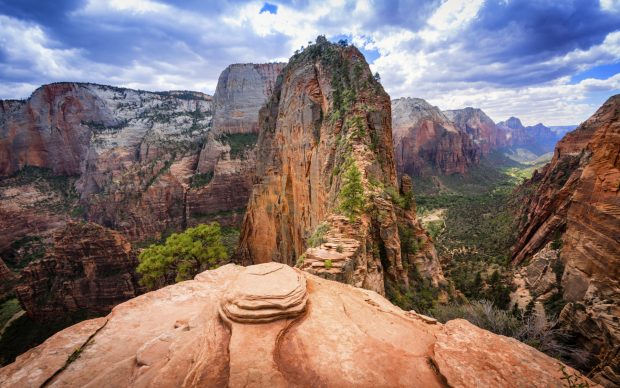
{"x":273,"y":325}
{"x":328,"y":120}
{"x":228,"y":158}
{"x":575,"y":201}
{"x":426,"y":142}
{"x":480,"y":128}
{"x":89,"y":270}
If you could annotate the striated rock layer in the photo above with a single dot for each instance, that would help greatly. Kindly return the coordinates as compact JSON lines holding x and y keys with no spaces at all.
{"x":326,"y":118}
{"x":139,"y":162}
{"x":89,"y":271}
{"x":335,"y":335}
{"x":427,"y":142}
{"x":575,"y":199}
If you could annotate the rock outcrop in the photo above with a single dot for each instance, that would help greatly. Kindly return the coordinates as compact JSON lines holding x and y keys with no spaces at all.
{"x":228,"y":158}
{"x":480,"y":128}
{"x":426,"y":142}
{"x":242,"y":90}
{"x":213,"y":331}
{"x":575,"y":200}
{"x":327,"y":120}
{"x":90,"y":270}
{"x":139,"y":162}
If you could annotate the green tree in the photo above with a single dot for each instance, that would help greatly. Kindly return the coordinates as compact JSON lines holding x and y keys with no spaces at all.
{"x":182,"y":256}
{"x":352,"y":200}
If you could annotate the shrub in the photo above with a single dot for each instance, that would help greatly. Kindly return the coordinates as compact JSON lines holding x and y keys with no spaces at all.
{"x":318,"y":237}
{"x":339,"y":248}
{"x":328,"y":264}
{"x":200,"y":180}
{"x":182,"y":256}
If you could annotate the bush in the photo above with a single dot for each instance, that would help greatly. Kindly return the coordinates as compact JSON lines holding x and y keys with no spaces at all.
{"x":318,"y":237}
{"x":328,"y":264}
{"x":182,"y":256}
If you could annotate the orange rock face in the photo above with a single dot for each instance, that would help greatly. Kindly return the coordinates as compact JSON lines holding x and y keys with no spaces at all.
{"x":576,"y":198}
{"x":327,"y":116}
{"x":211,"y":331}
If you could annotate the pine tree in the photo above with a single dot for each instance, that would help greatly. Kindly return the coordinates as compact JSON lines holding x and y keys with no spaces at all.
{"x":351,"y":195}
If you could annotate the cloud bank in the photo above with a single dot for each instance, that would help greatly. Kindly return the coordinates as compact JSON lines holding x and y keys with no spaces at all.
{"x":544,"y":61}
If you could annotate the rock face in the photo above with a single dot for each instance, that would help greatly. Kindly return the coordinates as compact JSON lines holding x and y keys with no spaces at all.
{"x":138,"y":162}
{"x":90,"y":270}
{"x":242,"y":90}
{"x":213,"y":331}
{"x":576,"y":199}
{"x":480,"y":128}
{"x":328,"y":118}
{"x":228,"y":158}
{"x":428,"y":142}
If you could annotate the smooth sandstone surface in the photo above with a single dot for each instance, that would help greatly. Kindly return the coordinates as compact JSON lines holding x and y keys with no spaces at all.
{"x":345,"y":336}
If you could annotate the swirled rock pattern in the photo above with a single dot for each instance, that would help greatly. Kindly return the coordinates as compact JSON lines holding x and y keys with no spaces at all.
{"x":346,"y":336}
{"x":265,"y":293}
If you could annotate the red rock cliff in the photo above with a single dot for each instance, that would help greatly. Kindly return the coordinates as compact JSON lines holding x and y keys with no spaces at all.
{"x":90,"y":270}
{"x":426,"y":142}
{"x":328,"y":116}
{"x":576,"y":199}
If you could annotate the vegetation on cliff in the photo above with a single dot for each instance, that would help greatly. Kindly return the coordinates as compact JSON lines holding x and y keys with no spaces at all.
{"x":182,"y":256}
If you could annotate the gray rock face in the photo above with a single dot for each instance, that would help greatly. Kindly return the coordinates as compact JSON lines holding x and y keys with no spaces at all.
{"x":242,"y":89}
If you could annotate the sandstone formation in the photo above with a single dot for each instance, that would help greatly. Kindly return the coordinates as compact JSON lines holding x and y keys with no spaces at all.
{"x":426,"y":142}
{"x":575,"y":200}
{"x":480,"y":128}
{"x":139,"y":162}
{"x":228,"y":157}
{"x":327,"y":118}
{"x":89,"y":271}
{"x":242,"y":90}
{"x":212,"y":331}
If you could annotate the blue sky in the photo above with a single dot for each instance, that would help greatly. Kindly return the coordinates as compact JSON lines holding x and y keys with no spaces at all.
{"x":544,"y":61}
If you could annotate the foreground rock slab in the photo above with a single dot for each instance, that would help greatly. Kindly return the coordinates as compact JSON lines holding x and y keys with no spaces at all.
{"x":326,"y":334}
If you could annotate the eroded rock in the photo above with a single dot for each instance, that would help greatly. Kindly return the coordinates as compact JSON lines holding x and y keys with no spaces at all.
{"x":346,"y":336}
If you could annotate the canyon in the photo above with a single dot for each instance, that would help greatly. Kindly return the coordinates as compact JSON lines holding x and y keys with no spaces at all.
{"x":431,"y":142}
{"x":314,"y":163}
{"x":574,"y":205}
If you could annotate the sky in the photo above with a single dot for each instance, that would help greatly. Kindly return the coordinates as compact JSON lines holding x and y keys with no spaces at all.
{"x":548,"y":61}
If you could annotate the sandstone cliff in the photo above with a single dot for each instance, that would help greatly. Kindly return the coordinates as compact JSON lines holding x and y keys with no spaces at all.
{"x":242,"y":90}
{"x":89,"y":270}
{"x":426,"y":142}
{"x":480,"y":128}
{"x":139,"y":162}
{"x":327,"y":118}
{"x":575,"y":200}
{"x":228,"y":158}
{"x":273,"y":325}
